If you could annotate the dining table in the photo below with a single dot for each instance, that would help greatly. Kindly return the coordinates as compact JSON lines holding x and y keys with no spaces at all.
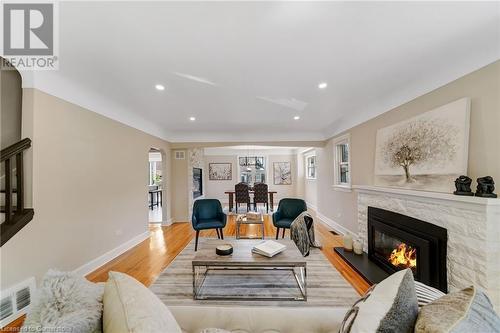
{"x":230,"y":193}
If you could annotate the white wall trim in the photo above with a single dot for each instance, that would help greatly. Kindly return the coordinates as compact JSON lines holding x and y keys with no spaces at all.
{"x":425,"y":195}
{"x":168,"y":222}
{"x":110,"y":255}
{"x":335,"y":226}
{"x":342,"y":188}
{"x":305,"y":151}
{"x":313,"y":207}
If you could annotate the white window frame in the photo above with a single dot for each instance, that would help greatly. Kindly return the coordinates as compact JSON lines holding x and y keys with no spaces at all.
{"x":315,"y":166}
{"x":337,"y":184}
{"x":152,"y":172}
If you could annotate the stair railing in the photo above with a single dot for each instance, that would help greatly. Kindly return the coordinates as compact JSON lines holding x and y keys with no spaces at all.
{"x":15,"y":217}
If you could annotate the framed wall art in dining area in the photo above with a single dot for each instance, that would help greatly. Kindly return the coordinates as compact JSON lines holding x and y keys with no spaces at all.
{"x":282,"y":173}
{"x":220,"y":171}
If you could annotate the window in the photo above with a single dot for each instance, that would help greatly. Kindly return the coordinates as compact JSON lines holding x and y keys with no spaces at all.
{"x":341,"y":155}
{"x":252,"y":169}
{"x":311,"y":167}
{"x":154,"y":173}
{"x":155,"y":167}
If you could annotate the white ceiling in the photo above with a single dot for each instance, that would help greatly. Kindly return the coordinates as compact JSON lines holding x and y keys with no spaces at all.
{"x":245,"y":69}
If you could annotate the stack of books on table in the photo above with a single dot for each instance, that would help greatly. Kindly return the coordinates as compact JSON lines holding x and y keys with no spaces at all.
{"x":268,"y":248}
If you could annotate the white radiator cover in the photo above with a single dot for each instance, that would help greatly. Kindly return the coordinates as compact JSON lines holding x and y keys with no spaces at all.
{"x":473,"y":224}
{"x":17,"y":300}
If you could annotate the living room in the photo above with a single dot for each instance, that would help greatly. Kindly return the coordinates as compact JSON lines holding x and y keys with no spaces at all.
{"x":368,"y":127}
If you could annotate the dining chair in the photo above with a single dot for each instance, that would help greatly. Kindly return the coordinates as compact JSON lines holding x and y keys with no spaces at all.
{"x":261,"y":195}
{"x":242,"y":195}
{"x":208,"y":214}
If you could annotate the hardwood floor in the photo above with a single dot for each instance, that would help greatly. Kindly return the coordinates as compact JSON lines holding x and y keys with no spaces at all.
{"x":148,"y":259}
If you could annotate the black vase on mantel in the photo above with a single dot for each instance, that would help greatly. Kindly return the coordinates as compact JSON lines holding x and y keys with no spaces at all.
{"x":485,"y":187}
{"x":462,"y":185}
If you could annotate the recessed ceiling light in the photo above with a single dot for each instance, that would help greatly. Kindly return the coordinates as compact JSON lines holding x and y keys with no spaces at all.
{"x":192,"y":118}
{"x":160,"y":87}
{"x":322,"y":85}
{"x":296,"y":117}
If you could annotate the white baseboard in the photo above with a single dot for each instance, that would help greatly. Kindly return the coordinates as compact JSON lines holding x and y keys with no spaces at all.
{"x":168,"y":222}
{"x":110,"y":255}
{"x":181,"y":220}
{"x":341,"y":230}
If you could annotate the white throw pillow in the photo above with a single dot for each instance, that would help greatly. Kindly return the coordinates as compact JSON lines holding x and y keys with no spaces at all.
{"x":129,"y":307}
{"x":391,"y":306}
{"x":65,"y":302}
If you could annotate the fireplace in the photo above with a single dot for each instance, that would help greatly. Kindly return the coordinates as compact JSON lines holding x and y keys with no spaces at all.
{"x":397,"y":242}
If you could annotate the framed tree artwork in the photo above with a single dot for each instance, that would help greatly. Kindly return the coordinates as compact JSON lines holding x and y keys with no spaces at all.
{"x":220,"y":171}
{"x":282,"y":173}
{"x":426,"y":152}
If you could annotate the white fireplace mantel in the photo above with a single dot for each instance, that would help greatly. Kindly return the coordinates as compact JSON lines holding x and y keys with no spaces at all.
{"x":473,"y":225}
{"x":402,"y":192}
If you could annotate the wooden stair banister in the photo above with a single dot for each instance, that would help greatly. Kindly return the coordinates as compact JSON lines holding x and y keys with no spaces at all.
{"x":15,"y":218}
{"x":15,"y":149}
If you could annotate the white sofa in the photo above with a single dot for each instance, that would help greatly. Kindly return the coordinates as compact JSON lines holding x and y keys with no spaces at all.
{"x":251,"y":319}
{"x":123,"y":304}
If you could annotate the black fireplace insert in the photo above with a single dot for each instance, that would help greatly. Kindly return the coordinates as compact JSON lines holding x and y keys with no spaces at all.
{"x":396,"y":242}
{"x":197,"y":182}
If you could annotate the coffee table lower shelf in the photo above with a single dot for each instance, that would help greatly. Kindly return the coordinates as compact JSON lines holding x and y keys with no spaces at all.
{"x":250,"y":282}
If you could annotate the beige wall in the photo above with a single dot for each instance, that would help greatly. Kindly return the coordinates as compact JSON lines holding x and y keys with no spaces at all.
{"x":283,"y":191}
{"x":215,"y":188}
{"x":89,"y":182}
{"x":482,"y":86}
{"x":179,"y":187}
{"x":10,"y":107}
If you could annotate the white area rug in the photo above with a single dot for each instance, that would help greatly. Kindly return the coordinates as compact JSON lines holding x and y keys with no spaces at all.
{"x":325,"y":285}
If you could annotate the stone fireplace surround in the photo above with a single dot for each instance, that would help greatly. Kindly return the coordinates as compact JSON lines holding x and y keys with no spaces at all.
{"x":473,"y":224}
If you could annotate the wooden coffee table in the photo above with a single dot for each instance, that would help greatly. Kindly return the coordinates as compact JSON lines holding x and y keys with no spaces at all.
{"x":240,"y":275}
{"x":241,"y":219}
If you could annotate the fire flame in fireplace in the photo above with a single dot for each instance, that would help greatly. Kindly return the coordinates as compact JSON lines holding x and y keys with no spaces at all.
{"x":404,"y":256}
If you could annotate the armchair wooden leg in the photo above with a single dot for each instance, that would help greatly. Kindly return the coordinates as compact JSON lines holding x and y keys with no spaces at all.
{"x":196,"y":242}
{"x":277,"y":232}
{"x":283,"y":235}
{"x":221,"y":234}
{"x":218,"y":235}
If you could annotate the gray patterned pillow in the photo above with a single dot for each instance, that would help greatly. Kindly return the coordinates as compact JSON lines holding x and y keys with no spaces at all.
{"x":426,"y":294}
{"x":391,"y":306}
{"x":467,"y":310}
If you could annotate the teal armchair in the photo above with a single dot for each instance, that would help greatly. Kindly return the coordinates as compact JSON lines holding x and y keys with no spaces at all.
{"x":208,"y":214}
{"x":288,"y":210}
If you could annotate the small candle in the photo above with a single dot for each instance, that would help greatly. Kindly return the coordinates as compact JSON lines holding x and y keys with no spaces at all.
{"x":348,"y":242}
{"x":358,"y":247}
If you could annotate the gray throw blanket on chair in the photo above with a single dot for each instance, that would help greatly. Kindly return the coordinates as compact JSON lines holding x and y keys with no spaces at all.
{"x":302,"y":233}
